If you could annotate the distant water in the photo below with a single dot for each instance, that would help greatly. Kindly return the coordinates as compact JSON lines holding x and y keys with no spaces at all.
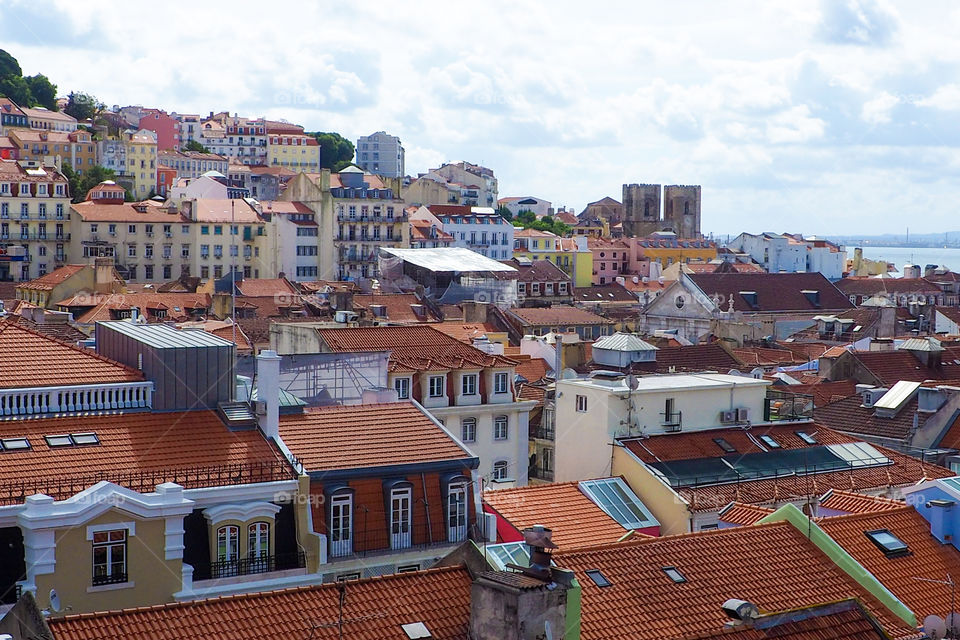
{"x":921,"y":256}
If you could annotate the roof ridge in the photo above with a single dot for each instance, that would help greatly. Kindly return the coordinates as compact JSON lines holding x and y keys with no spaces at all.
{"x":863,"y":515}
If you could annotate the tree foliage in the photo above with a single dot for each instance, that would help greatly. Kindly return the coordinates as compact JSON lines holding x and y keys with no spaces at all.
{"x":83,"y":106}
{"x":17,"y":89}
{"x":44,"y":92}
{"x":528,"y":220}
{"x":504,"y":212}
{"x":336,"y":152}
{"x":80,"y":185}
{"x":193,"y":145}
{"x":9,"y":65}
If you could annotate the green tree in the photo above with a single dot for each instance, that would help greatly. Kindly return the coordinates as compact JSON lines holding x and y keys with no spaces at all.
{"x":9,"y":65}
{"x":44,"y":92}
{"x":83,"y":106}
{"x":528,"y":220}
{"x":504,"y":212}
{"x":80,"y":185}
{"x":193,"y":145}
{"x":17,"y":89}
{"x":336,"y":152}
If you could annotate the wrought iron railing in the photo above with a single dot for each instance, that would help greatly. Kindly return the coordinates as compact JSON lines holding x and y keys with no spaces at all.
{"x":250,"y":566}
{"x":109,"y":578}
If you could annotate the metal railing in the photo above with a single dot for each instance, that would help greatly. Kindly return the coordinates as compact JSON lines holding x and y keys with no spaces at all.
{"x":109,"y":578}
{"x":544,"y":433}
{"x":249,"y":566}
{"x":380,"y":540}
{"x":781,"y":406}
{"x":671,"y":420}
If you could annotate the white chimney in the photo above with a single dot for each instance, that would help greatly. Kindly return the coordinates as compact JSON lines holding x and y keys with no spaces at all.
{"x":268,"y":392}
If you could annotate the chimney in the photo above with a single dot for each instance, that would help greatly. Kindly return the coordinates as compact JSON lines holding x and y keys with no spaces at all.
{"x":103,"y":275}
{"x":268,"y":392}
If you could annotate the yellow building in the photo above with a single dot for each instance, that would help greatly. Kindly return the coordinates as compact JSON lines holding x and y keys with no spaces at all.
{"x":141,"y":154}
{"x":570,"y":254}
{"x":34,"y":219}
{"x":75,"y":148}
{"x":298,"y":152}
{"x":666,"y":249}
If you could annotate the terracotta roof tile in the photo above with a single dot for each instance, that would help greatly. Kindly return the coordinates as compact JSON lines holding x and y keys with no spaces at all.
{"x":776,"y":292}
{"x":867,"y":286}
{"x":759,"y":356}
{"x":832,"y":621}
{"x":891,"y":367}
{"x":838,"y":500}
{"x":31,"y":359}
{"x":741,"y":514}
{"x":847,"y":415}
{"x":684,"y":359}
{"x":89,"y":211}
{"x":138,"y":450}
{"x":604,"y":293}
{"x":62,"y":331}
{"x":466,"y":331}
{"x":399,"y":307}
{"x":557,"y":315}
{"x":929,"y":558}
{"x":413,"y":347}
{"x":771,"y":565}
{"x":823,"y":392}
{"x":97,"y":307}
{"x":532,"y":369}
{"x":575,"y":520}
{"x":50,"y":280}
{"x":373,"y":609}
{"x":353,"y":437}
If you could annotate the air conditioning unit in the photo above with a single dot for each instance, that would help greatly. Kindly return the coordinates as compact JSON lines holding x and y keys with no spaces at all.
{"x":260,"y":408}
{"x":728,"y":417}
{"x":743,"y":414}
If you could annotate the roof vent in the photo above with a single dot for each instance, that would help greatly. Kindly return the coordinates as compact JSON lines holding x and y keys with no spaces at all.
{"x":740,"y":610}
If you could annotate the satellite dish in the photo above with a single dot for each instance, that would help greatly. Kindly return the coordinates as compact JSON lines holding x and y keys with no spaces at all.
{"x":632,"y":382}
{"x":935,"y":627}
{"x":54,"y":600}
{"x":568,"y":374}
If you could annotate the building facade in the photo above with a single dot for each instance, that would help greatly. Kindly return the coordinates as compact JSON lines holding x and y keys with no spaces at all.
{"x":381,"y":154}
{"x":297,"y":152}
{"x":479,"y":229}
{"x":192,"y":164}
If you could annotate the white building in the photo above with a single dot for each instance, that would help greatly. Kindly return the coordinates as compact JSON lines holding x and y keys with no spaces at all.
{"x":381,"y":154}
{"x":591,"y":412}
{"x":479,"y":229}
{"x":538,"y":206}
{"x":478,"y":185}
{"x":785,"y":253}
{"x":292,"y":239}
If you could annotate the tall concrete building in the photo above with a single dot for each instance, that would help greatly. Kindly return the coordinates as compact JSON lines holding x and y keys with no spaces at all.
{"x":381,"y":154}
{"x":642,"y":213}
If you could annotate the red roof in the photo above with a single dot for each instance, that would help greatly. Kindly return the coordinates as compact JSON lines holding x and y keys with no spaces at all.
{"x":354,"y":437}
{"x":928,"y":558}
{"x":31,"y":359}
{"x":741,"y":514}
{"x":466,"y":331}
{"x":837,"y":500}
{"x":867,"y":286}
{"x":832,"y":621}
{"x":771,"y":565}
{"x":848,"y":415}
{"x":775,"y":292}
{"x":399,"y":307}
{"x":264,"y":287}
{"x":891,"y":367}
{"x":531,"y":369}
{"x":373,"y":609}
{"x":136,"y":450}
{"x":575,"y":520}
{"x":50,"y":280}
{"x":412,"y":347}
{"x":557,"y":315}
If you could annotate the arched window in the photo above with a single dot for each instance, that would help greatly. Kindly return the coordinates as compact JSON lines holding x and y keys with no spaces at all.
{"x":468,"y":428}
{"x":500,"y":469}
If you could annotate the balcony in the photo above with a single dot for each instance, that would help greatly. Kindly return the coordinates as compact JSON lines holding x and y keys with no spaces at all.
{"x":544,"y":433}
{"x":249,"y":566}
{"x":539,"y":473}
{"x":109,"y":578}
{"x":785,"y":407}
{"x":671,"y":420}
{"x":396,"y":217}
{"x":365,"y":542}
{"x":75,"y":398}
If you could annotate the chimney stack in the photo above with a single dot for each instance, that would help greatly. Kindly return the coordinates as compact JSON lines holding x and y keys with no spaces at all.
{"x":268,"y":392}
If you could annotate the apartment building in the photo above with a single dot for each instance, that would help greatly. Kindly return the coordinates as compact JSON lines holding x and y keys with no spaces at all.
{"x":45,"y":120}
{"x":479,"y":229}
{"x":381,"y":154}
{"x":240,"y":139}
{"x":192,"y":164}
{"x":793,"y":253}
{"x":292,"y":240}
{"x":297,"y":152}
{"x":478,"y":184}
{"x":570,"y":254}
{"x":75,"y":148}
{"x":133,"y":157}
{"x":11,"y":116}
{"x":224,"y":233}
{"x":34,"y":220}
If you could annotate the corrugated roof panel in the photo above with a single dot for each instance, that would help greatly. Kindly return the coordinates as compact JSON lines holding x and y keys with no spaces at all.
{"x":898,"y":395}
{"x":448,"y":259}
{"x":160,"y":336}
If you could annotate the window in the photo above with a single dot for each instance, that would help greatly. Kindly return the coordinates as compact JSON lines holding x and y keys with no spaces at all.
{"x":14,"y":444}
{"x":227,"y":550}
{"x":402,"y":385}
{"x":258,"y":540}
{"x":726,"y":446}
{"x":59,"y":441}
{"x":436,"y":386}
{"x":598,"y":578}
{"x":500,"y":382}
{"x":769,"y":441}
{"x":806,"y":437}
{"x":501,"y":429}
{"x":891,"y":545}
{"x":468,"y":384}
{"x":500,"y":470}
{"x":582,"y":404}
{"x":341,"y":524}
{"x":131,"y":228}
{"x":401,"y":513}
{"x":109,"y":557}
{"x":674,"y":574}
{"x":468,"y":429}
{"x":457,"y":511}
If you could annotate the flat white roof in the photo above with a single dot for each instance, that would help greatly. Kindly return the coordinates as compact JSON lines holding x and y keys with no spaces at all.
{"x":448,"y":259}
{"x":649,"y":384}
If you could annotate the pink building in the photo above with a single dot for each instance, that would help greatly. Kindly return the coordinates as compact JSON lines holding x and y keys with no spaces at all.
{"x":610,"y":259}
{"x":164,"y":125}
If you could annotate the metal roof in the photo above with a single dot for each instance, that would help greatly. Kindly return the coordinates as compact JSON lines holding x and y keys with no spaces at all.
{"x":897,"y":396}
{"x":623,"y":342}
{"x":619,"y":502}
{"x":447,"y":259}
{"x":921,"y":344}
{"x":161,"y":336}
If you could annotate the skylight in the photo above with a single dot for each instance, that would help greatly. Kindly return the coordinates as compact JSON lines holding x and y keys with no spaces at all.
{"x":499,"y":555}
{"x":769,"y":441}
{"x":726,"y":446}
{"x":59,"y":441}
{"x":806,"y":437}
{"x":71,"y":439}
{"x":15,"y":444}
{"x":619,"y":502}
{"x":891,"y":545}
{"x":84,"y":438}
{"x":598,"y":578}
{"x":674,"y":574}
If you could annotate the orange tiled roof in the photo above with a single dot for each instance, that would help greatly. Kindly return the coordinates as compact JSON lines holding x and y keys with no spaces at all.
{"x":50,"y":280}
{"x":929,"y":558}
{"x":90,"y":211}
{"x":399,"y":306}
{"x":532,"y":369}
{"x":353,"y":437}
{"x":557,"y":315}
{"x":831,"y":621}
{"x":30,"y":359}
{"x":466,"y":331}
{"x":97,"y":306}
{"x":136,"y":450}
{"x":373,"y":609}
{"x":742,"y":514}
{"x":412,"y":347}
{"x":575,"y":520}
{"x":839,"y":500}
{"x":771,"y":565}
{"x":260,"y":287}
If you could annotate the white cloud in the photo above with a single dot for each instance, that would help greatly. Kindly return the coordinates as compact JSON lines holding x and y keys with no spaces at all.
{"x":879,"y":110}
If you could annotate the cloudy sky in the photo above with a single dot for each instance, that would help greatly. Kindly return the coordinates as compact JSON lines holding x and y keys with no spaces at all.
{"x":838,"y":116}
